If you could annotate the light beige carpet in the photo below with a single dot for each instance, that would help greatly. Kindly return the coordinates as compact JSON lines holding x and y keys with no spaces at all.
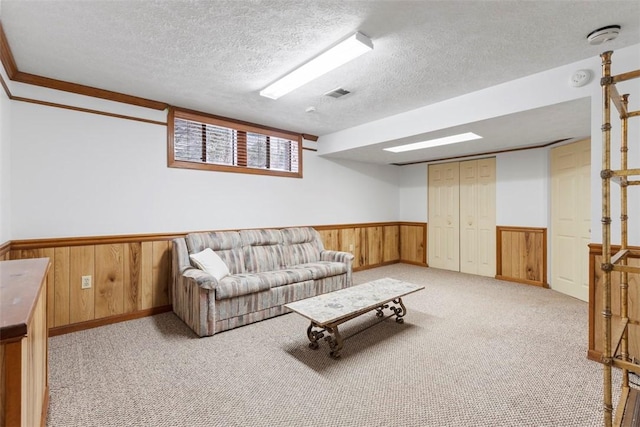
{"x":473,"y":351}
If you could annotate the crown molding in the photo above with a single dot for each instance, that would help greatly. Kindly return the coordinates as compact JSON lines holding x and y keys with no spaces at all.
{"x":6,"y":56}
{"x":10,"y":66}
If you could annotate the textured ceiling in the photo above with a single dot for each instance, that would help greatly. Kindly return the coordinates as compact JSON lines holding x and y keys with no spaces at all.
{"x":215,"y":56}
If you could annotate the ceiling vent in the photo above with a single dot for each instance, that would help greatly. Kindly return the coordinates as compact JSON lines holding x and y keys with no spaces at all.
{"x":337,"y":93}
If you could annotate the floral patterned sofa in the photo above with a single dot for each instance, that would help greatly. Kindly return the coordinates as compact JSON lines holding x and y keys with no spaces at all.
{"x":267,"y":269}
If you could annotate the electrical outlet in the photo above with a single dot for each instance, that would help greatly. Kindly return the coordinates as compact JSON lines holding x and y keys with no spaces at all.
{"x":351,"y":247}
{"x":86,"y":282}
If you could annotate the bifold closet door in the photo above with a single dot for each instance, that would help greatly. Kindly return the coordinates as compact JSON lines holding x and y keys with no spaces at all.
{"x":444,"y":216}
{"x":478,"y":217}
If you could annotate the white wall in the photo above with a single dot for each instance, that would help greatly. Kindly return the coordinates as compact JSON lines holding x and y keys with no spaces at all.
{"x":68,"y":177}
{"x":5,"y":167}
{"x":413,"y":193}
{"x":522,"y":190}
{"x":79,"y":174}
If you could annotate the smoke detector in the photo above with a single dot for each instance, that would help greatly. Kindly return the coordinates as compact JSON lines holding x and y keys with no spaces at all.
{"x":604,"y":34}
{"x":580,"y":78}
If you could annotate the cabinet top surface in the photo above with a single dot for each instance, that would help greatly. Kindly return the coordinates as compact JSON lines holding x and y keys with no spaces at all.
{"x":20,"y":285}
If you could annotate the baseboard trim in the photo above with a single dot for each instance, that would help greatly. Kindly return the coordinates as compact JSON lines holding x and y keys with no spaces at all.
{"x":420,"y":264}
{"x":369,"y":267}
{"x":594,"y":355}
{"x":90,"y":324}
{"x":382,"y":264}
{"x":523,"y":281}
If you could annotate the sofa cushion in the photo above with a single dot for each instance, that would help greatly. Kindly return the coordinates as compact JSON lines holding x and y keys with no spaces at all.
{"x":208,"y":261}
{"x":302,"y":245}
{"x":262,"y":250}
{"x":226,"y":244}
{"x":285,"y":277}
{"x":322,"y":269}
{"x":258,"y":259}
{"x":300,"y":235}
{"x":260,"y":237}
{"x":234,"y":259}
{"x":239,"y":284}
{"x":243,"y":284}
{"x":215,"y":240}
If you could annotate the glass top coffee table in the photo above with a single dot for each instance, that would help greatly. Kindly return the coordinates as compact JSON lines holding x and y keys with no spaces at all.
{"x":327,"y":311}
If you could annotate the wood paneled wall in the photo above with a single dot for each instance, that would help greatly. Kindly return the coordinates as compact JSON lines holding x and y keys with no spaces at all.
{"x":413,"y":243}
{"x":4,"y":251}
{"x":131,"y":274}
{"x":376,"y":244}
{"x":596,"y":306}
{"x":522,"y":255}
{"x":130,"y":278}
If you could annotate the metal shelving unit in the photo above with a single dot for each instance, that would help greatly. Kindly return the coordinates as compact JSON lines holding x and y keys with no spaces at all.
{"x":616,"y":334}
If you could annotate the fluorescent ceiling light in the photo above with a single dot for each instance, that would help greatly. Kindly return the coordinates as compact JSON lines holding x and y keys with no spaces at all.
{"x":339,"y":54}
{"x":469,"y":136}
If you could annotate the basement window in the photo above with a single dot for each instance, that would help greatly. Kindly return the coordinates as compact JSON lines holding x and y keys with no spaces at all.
{"x":200,"y":141}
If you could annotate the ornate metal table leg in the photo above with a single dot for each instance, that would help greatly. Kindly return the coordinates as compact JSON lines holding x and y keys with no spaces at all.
{"x":335,"y":342}
{"x":399,"y":311}
{"x":314,"y":336}
{"x":379,"y":310}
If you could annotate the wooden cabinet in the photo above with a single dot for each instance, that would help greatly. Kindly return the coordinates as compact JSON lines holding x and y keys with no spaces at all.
{"x":24,"y":386}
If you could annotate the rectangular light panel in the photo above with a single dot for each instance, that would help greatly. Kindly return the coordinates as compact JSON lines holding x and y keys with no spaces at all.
{"x":469,"y":136}
{"x":338,"y":55}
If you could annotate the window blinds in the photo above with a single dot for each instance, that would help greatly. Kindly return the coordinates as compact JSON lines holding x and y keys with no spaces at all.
{"x":218,"y":145}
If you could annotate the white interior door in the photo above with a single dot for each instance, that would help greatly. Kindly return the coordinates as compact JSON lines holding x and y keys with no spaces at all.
{"x":478,"y":217}
{"x":444,"y":216}
{"x":469,"y":217}
{"x":570,"y":218}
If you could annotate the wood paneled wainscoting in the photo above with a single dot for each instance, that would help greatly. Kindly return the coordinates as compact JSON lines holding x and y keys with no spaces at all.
{"x":5,"y":251}
{"x":522,"y":255}
{"x":378,"y":244}
{"x":129,"y":278}
{"x":130,"y":274}
{"x":596,"y":306}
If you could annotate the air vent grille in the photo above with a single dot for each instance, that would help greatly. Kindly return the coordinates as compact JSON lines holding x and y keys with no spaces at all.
{"x":337,"y":93}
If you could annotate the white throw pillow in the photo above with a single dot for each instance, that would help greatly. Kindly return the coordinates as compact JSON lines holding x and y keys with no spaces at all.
{"x":210,"y":262}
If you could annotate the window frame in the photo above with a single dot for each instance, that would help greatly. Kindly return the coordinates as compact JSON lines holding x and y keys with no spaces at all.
{"x":194,"y":116}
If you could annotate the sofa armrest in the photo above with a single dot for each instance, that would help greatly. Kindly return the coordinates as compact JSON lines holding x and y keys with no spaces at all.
{"x":202,"y":278}
{"x":336,"y":256}
{"x":344,"y":257}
